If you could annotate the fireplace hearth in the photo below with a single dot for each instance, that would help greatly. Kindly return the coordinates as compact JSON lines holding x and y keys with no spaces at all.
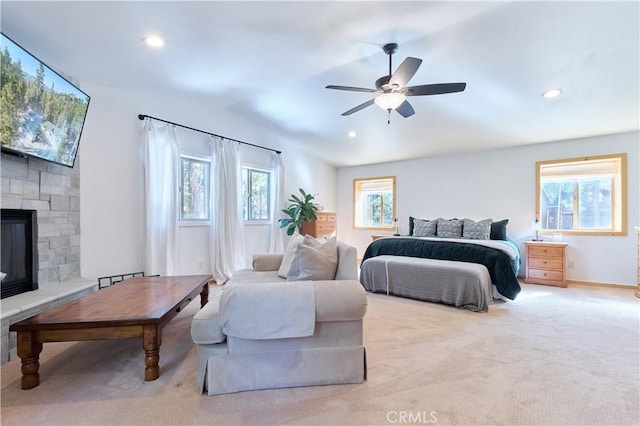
{"x":19,"y":251}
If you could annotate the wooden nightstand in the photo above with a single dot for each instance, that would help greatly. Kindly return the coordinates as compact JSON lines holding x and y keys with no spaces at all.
{"x":545,"y":263}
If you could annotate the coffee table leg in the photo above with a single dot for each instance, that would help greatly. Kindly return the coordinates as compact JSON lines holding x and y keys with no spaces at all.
{"x":29,"y":352}
{"x":204,"y":295}
{"x":151,"y":339}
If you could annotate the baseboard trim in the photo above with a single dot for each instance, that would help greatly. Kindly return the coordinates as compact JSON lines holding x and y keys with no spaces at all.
{"x":597,"y":284}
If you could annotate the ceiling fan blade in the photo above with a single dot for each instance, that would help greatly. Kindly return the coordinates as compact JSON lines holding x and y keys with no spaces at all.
{"x":359,"y":107}
{"x":405,"y":71}
{"x":351,"y":89}
{"x":405,"y":109}
{"x":434,"y":89}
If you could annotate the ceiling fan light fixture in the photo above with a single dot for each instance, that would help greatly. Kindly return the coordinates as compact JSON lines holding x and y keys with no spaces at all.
{"x":552,"y":93}
{"x":391,"y":100}
{"x":153,"y":40}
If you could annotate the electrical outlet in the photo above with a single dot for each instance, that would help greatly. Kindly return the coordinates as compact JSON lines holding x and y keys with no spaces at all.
{"x":571,"y":264}
{"x":199,"y":266}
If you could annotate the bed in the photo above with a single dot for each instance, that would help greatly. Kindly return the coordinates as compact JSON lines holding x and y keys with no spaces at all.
{"x":437,"y":269}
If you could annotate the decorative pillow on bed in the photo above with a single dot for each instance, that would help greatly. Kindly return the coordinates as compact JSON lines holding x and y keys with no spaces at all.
{"x":424,"y":228}
{"x":314,"y":260}
{"x":499,"y":230}
{"x":412,"y":224}
{"x":451,"y":228}
{"x":476,"y":230}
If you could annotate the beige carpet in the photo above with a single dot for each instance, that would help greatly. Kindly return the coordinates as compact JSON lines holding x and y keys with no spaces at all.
{"x":553,"y":357}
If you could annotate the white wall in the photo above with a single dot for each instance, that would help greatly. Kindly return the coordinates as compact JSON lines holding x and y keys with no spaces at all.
{"x":112,"y":217}
{"x":501,"y":184}
{"x":498,"y":184}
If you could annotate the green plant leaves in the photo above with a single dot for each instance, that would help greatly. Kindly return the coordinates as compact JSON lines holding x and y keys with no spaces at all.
{"x":300,"y":210}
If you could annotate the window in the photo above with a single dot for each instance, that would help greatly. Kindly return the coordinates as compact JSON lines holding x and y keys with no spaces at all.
{"x":374,"y":203}
{"x":582,"y":195}
{"x":255,"y":194}
{"x":194,"y":192}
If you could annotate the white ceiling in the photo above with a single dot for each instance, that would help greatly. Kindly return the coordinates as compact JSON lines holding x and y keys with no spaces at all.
{"x":270,"y":62}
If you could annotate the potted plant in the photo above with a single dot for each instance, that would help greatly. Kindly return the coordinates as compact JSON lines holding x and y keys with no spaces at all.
{"x":300,"y":210}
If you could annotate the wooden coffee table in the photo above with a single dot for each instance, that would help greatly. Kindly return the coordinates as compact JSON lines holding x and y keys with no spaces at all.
{"x":139,"y":307}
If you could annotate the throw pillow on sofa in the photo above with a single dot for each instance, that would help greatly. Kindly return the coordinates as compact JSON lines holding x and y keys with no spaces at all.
{"x":289,"y":252}
{"x":314,"y":260}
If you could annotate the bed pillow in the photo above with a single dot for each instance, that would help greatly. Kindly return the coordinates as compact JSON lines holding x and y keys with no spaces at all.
{"x":451,"y":228}
{"x":424,"y":228}
{"x":289,"y":252}
{"x":314,"y":260}
{"x":473,"y":230}
{"x":499,"y":230}
{"x":412,"y":224}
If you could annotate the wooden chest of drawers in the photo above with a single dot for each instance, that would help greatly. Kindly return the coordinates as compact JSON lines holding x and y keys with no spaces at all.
{"x":325,"y":225}
{"x":545,"y":263}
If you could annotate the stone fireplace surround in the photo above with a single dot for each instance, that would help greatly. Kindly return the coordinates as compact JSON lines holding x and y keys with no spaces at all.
{"x":54,"y":192}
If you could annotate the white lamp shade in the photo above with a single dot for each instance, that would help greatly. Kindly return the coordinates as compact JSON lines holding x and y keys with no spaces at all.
{"x":390,"y":100}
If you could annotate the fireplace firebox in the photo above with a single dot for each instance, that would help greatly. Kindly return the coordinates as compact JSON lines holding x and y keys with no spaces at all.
{"x":18,"y":251}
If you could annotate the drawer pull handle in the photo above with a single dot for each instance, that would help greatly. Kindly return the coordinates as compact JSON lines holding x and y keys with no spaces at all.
{"x":545,"y":274}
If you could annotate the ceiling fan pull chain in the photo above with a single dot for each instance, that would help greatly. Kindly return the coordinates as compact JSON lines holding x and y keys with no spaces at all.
{"x":389,"y":116}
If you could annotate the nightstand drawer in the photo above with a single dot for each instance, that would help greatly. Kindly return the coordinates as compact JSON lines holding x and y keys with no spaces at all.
{"x":546,"y":262}
{"x":545,"y":251}
{"x":544,"y":274}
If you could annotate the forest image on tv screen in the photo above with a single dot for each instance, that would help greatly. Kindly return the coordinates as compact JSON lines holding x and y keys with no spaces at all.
{"x":42,"y":113}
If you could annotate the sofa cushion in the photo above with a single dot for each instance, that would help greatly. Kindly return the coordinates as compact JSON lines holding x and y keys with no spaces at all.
{"x":289,"y":252}
{"x":205,"y":326}
{"x":314,"y":260}
{"x":250,"y":276}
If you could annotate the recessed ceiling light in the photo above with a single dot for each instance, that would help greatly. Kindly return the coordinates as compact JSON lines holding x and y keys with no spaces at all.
{"x":552,"y":93}
{"x":352,"y":134}
{"x":154,"y":41}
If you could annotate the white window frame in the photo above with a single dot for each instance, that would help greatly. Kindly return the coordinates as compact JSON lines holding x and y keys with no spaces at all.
{"x":357,"y":200}
{"x":250,"y":168}
{"x":195,"y":222}
{"x":614,"y":165}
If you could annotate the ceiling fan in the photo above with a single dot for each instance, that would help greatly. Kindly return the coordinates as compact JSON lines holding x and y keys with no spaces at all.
{"x":391,"y":89}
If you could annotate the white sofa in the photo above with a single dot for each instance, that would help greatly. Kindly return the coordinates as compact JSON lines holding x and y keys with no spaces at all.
{"x":263,"y":332}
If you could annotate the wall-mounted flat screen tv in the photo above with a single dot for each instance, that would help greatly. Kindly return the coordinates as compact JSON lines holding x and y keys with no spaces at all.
{"x":42,"y":113}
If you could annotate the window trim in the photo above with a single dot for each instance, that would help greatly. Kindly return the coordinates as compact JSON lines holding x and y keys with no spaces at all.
{"x":193,"y":222}
{"x":269,"y":172}
{"x":619,"y":209}
{"x":393,"y":207}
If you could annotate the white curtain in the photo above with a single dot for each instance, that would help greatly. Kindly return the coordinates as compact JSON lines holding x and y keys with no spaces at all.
{"x":161,"y":175}
{"x":227,"y":236}
{"x":276,"y":244}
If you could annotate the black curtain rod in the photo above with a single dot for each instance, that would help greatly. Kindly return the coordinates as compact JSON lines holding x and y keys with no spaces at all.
{"x":143,"y":116}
